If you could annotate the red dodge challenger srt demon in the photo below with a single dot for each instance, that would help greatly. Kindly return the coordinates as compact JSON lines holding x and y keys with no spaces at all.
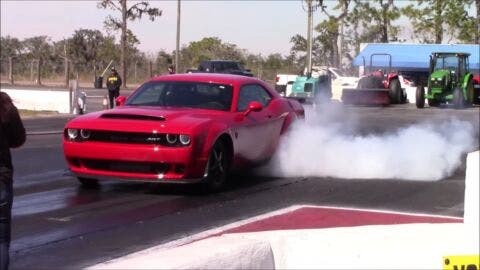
{"x":181,"y":128}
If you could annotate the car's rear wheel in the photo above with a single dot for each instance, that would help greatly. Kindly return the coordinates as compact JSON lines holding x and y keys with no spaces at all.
{"x":458,"y":100}
{"x":420,"y":97}
{"x":88,"y":182}
{"x":217,"y":167}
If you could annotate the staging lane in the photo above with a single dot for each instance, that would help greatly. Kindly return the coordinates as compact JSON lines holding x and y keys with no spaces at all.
{"x":56,"y":223}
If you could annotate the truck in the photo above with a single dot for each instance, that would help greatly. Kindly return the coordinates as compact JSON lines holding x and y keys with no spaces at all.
{"x":221,"y":66}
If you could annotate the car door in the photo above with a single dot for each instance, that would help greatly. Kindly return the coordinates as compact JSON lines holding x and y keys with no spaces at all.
{"x":257,"y":133}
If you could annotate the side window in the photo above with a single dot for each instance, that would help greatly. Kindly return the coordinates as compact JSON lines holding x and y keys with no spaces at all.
{"x":252,"y":92}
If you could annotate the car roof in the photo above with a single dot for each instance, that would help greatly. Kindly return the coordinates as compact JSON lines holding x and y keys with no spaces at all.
{"x":208,"y":78}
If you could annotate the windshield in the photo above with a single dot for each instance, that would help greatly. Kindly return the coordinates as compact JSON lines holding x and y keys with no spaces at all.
{"x":184,"y":94}
{"x":446,"y":62}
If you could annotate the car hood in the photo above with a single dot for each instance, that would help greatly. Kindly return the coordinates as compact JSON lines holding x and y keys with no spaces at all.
{"x":147,"y":119}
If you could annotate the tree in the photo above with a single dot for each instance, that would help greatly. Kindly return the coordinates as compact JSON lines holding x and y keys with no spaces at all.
{"x":84,"y":47}
{"x":10,"y":47}
{"x":323,"y":44}
{"x":431,"y":18}
{"x":131,"y":13}
{"x":209,"y":48}
{"x":163,"y":60}
{"x":477,"y":33}
{"x":337,"y":21}
{"x":375,"y":18}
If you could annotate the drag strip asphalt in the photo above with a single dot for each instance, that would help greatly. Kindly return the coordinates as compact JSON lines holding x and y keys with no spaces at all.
{"x":57,"y":224}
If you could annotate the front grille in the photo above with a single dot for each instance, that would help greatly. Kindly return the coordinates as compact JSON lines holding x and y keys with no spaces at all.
{"x":308,"y":87}
{"x":127,"y":137}
{"x":436,"y":84}
{"x":125,"y":166}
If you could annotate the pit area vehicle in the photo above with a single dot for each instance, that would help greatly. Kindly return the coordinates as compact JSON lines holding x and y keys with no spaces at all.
{"x":450,"y":81}
{"x":181,"y":128}
{"x":284,"y":82}
{"x":341,"y":80}
{"x":221,"y":66}
{"x":312,"y":87}
{"x":376,"y":88}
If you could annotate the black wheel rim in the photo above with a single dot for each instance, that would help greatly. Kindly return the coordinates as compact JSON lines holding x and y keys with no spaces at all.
{"x":217,"y":164}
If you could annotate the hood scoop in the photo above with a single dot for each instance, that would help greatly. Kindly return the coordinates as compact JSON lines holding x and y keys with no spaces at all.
{"x":132,"y":117}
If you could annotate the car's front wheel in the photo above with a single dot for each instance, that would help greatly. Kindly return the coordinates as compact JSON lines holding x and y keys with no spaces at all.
{"x":88,"y":182}
{"x":217,"y":167}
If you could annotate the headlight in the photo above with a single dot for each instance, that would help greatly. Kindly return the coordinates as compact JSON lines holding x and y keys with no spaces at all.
{"x":85,"y":134}
{"x":72,"y":133}
{"x":184,"y":139}
{"x":172,"y":138}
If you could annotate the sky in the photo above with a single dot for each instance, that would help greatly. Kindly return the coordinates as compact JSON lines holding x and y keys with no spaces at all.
{"x":261,"y":27}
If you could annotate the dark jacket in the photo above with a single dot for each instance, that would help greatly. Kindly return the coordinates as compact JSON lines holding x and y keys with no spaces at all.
{"x":12,"y":132}
{"x":114,"y":82}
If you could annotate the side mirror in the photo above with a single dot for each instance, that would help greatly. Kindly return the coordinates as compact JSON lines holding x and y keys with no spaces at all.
{"x":253,"y":106}
{"x":120,"y":101}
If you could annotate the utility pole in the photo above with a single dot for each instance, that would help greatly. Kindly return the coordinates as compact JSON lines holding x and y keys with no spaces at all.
{"x":10,"y":70}
{"x":340,"y":45}
{"x":66,"y":64}
{"x":312,"y":5}
{"x":309,"y":37}
{"x":177,"y":47}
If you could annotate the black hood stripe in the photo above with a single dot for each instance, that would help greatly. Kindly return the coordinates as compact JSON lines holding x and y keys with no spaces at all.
{"x":132,"y":116}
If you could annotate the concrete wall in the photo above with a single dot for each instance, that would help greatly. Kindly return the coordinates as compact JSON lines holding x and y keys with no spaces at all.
{"x":40,"y":100}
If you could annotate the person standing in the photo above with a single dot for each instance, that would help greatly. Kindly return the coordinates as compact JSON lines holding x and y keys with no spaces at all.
{"x":12,"y":135}
{"x":171,"y":69}
{"x":113,"y":85}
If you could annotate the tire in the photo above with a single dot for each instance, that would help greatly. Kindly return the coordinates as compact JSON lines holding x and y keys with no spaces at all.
{"x":88,"y":182}
{"x":396,"y":95}
{"x":217,"y":167}
{"x":420,"y":97}
{"x":470,"y":92}
{"x":458,"y":100}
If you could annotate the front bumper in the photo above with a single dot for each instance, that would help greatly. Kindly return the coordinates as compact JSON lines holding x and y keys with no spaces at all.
{"x":149,"y":163}
{"x":301,"y":95}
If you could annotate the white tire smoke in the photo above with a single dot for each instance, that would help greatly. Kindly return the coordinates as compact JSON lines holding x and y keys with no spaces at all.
{"x":424,"y":152}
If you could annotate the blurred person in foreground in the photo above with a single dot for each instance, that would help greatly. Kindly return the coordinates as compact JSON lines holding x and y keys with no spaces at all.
{"x":113,"y":85}
{"x":12,"y":134}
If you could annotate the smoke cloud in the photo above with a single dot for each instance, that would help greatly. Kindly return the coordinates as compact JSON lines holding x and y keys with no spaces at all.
{"x":325,"y":145}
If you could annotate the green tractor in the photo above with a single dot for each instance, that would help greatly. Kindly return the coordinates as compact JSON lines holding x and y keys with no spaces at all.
{"x":449,"y":81}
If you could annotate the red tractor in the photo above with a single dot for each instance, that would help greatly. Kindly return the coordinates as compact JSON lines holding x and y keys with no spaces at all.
{"x":376,"y":88}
